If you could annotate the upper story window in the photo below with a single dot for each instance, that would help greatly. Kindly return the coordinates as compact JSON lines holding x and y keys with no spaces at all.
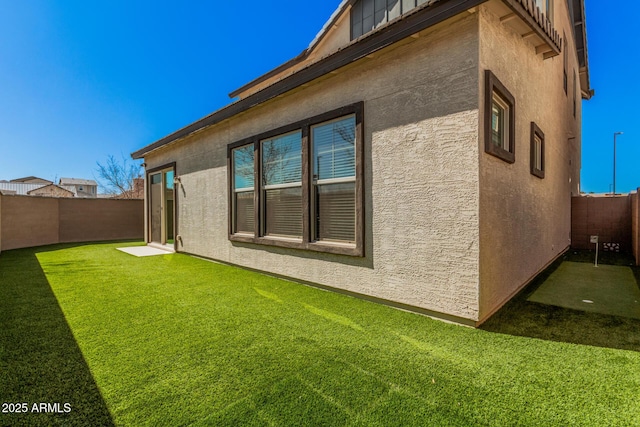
{"x":537,"y":151}
{"x":367,"y":15}
{"x":499,"y":119}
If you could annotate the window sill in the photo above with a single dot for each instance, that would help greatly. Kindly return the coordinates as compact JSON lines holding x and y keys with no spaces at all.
{"x":500,"y":153}
{"x":538,"y":173}
{"x":327,"y":247}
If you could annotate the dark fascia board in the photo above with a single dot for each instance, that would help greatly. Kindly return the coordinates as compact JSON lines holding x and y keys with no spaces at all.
{"x":404,"y":27}
{"x":290,"y":63}
{"x":583,"y":55}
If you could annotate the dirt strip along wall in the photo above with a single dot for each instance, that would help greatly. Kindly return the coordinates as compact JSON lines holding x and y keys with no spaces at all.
{"x":608,"y":217}
{"x":28,"y":221}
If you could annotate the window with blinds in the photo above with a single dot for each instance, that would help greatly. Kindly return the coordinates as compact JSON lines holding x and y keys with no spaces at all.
{"x":303,"y":187}
{"x":243,"y":188}
{"x":334,"y":176}
{"x":281,"y":170}
{"x":367,"y":15}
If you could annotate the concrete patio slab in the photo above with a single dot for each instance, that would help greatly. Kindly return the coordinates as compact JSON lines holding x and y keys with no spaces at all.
{"x":141,"y":251}
{"x":606,"y":289}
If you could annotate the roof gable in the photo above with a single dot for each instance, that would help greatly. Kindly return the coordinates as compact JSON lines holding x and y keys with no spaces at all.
{"x":32,"y":180}
{"x":54,"y":187}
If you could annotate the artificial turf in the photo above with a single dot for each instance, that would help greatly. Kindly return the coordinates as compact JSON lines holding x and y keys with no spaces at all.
{"x":175,"y":340}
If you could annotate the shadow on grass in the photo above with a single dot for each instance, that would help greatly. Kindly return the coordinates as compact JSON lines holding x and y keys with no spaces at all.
{"x":530,"y":319}
{"x":40,"y":361}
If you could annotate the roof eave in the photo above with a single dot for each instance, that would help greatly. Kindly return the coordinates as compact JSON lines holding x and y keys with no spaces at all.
{"x":358,"y":49}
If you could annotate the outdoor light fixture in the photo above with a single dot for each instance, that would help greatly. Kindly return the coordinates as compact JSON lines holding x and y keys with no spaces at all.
{"x":615,"y":134}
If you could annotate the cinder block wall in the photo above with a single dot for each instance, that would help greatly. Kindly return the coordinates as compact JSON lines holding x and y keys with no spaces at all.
{"x":608,"y":217}
{"x":0,"y":223}
{"x":83,"y":220}
{"x":635,"y":225}
{"x":28,"y":221}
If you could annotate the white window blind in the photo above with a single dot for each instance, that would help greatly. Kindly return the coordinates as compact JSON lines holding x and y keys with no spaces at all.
{"x":282,"y":185}
{"x":334,"y":166}
{"x":243,"y":190}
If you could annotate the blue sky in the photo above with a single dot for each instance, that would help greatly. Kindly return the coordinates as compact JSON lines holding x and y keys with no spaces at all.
{"x":83,"y":80}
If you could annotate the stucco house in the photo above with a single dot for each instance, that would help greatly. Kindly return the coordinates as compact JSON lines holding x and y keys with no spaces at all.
{"x":35,"y":188}
{"x":422,"y":153}
{"x":82,"y":187}
{"x":31,"y":180}
{"x":51,"y":190}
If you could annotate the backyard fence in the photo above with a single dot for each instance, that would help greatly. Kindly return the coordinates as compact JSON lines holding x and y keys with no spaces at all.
{"x":635,"y":225}
{"x":27,"y":221}
{"x":614,"y":219}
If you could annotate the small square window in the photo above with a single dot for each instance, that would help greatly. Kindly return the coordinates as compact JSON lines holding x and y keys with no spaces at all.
{"x":537,"y":151}
{"x":499,"y":120}
{"x":565,"y":61}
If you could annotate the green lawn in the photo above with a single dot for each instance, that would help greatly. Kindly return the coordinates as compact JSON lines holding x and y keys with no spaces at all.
{"x":174,"y":340}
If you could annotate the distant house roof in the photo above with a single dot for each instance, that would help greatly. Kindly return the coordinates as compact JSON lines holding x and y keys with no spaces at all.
{"x":77,"y":181}
{"x":32,"y":180}
{"x":22,"y":189}
{"x":38,"y":191}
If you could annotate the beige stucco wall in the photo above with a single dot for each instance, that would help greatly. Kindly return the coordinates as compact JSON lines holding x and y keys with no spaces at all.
{"x":524,"y":220}
{"x":337,"y":36}
{"x":421,"y":175}
{"x":28,"y":221}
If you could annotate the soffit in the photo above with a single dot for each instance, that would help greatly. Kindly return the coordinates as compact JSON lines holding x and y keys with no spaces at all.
{"x":525,"y":18}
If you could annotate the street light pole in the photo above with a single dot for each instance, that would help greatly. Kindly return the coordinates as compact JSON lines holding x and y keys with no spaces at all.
{"x":614,"y":160}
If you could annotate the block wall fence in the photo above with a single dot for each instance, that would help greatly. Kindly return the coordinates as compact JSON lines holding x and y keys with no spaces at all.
{"x":28,"y":221}
{"x":614,"y":219}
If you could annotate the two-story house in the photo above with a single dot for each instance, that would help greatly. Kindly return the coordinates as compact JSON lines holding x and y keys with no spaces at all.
{"x":422,"y":153}
{"x":87,"y":188}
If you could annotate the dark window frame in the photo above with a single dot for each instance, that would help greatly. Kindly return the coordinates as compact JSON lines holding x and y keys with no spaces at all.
{"x":575,"y":93}
{"x":307,"y":242}
{"x":176,"y":212}
{"x":536,"y":131}
{"x":493,"y":85}
{"x":565,"y":60}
